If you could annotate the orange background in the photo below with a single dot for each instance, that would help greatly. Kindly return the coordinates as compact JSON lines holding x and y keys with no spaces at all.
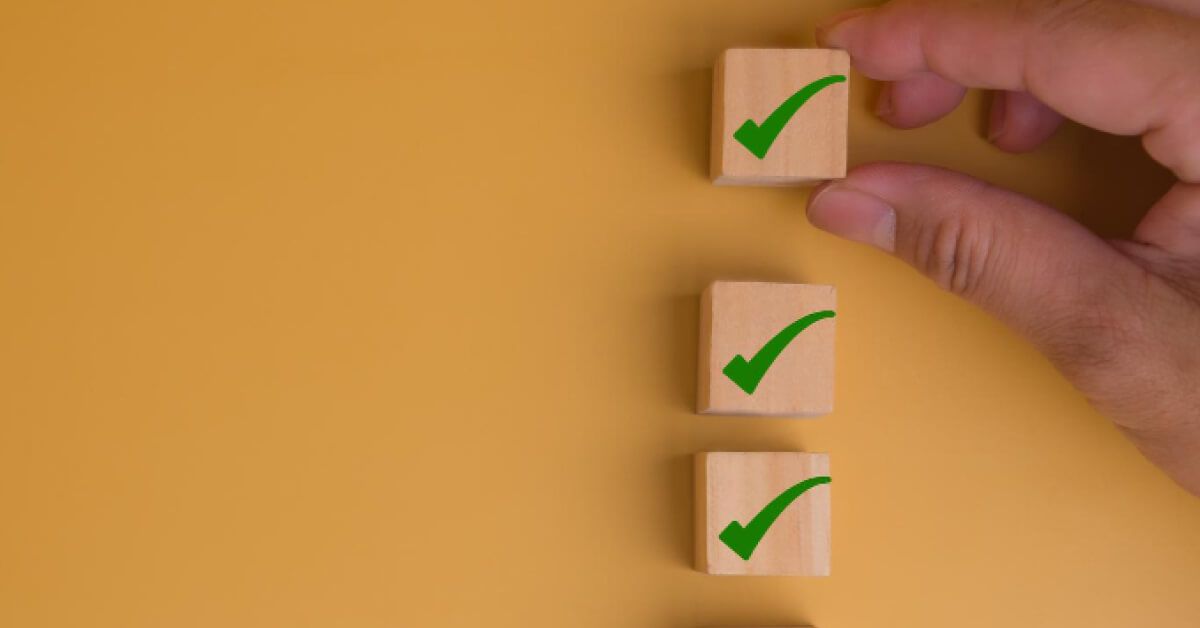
{"x":370,"y":313}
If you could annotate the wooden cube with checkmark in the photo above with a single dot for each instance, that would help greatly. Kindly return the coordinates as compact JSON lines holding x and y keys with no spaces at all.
{"x":766,"y":349}
{"x":779,"y":116}
{"x":762,"y":513}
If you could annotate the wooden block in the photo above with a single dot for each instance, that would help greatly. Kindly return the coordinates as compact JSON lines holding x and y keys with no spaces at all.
{"x":739,"y":319}
{"x":750,"y":84}
{"x":737,"y":486}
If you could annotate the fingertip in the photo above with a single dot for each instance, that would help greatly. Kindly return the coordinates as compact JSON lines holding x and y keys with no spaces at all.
{"x":1019,"y":123}
{"x":831,"y":32}
{"x":853,"y":214}
{"x":917,"y":101}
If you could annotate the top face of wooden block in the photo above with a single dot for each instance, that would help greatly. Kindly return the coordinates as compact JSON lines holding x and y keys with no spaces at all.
{"x":751,"y":84}
{"x":740,"y":319}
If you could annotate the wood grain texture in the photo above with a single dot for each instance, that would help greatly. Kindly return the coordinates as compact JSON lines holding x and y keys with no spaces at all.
{"x":738,"y":318}
{"x":735,"y":486}
{"x":749,"y":84}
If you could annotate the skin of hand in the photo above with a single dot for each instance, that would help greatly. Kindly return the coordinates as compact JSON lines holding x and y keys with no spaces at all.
{"x":1120,"y":319}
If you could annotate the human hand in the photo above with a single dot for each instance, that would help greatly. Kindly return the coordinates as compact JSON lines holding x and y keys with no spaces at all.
{"x":1121,"y":319}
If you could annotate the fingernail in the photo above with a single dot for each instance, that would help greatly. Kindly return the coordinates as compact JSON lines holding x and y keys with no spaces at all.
{"x":826,"y":29}
{"x":996,"y":116}
{"x":854,"y":215}
{"x":883,"y":106}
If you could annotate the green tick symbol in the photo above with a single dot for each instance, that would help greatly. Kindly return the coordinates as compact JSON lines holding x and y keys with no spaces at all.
{"x":758,"y":138}
{"x":743,"y":539}
{"x":748,"y":374}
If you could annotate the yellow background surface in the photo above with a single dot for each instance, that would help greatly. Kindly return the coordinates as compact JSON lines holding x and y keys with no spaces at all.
{"x":370,"y":313}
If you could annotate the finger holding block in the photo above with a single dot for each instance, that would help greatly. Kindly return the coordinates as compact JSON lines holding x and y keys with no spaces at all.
{"x":780,"y":116}
{"x":762,"y":513}
{"x":766,"y":349}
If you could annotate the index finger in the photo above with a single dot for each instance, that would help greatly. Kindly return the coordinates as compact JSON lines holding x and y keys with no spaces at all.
{"x":1114,"y":66}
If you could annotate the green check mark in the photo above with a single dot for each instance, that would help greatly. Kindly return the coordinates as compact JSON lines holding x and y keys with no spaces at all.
{"x":748,"y":374}
{"x":758,"y":138}
{"x":743,"y":539}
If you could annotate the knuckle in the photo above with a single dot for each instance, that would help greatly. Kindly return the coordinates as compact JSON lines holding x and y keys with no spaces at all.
{"x":1176,"y":143}
{"x":957,"y":253}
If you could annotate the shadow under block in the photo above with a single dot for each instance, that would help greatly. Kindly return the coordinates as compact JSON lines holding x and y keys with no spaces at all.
{"x":740,"y":318}
{"x":736,"y":486}
{"x":750,"y":84}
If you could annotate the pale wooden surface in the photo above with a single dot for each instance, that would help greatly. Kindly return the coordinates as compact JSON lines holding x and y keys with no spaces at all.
{"x":735,"y":486}
{"x":752,"y":83}
{"x":739,"y":318}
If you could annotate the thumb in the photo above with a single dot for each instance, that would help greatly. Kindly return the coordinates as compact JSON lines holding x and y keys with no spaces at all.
{"x":1065,"y":289}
